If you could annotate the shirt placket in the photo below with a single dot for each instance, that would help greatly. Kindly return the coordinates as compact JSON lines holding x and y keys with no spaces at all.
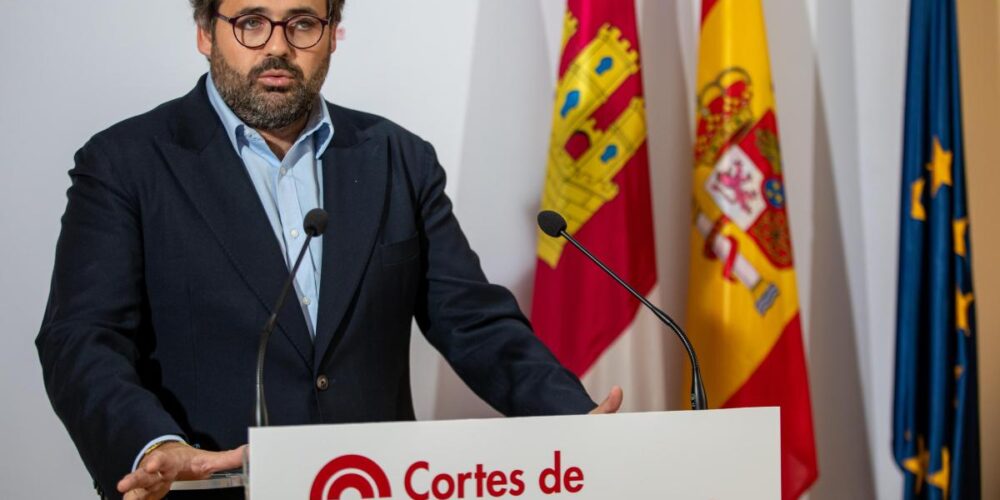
{"x":290,"y":213}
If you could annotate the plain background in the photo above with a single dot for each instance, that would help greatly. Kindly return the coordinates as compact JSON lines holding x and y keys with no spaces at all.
{"x":476,"y":79}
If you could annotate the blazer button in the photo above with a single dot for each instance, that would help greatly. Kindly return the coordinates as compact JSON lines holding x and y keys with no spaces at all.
{"x":322,"y":383}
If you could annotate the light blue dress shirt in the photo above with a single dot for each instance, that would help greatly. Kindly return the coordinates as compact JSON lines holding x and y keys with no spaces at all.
{"x":288,"y":188}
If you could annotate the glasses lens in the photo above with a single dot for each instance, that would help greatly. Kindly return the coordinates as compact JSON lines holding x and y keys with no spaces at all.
{"x":253,"y":30}
{"x":304,"y":31}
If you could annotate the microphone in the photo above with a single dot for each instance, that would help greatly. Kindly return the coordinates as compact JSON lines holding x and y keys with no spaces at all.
{"x":314,"y":225}
{"x":554,"y":225}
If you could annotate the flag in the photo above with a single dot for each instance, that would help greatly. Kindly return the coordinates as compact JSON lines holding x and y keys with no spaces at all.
{"x":936,"y":410}
{"x":598,"y":179}
{"x":743,"y":310}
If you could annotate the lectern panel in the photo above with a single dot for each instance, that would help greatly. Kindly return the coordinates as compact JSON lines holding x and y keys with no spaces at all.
{"x":717,"y":454}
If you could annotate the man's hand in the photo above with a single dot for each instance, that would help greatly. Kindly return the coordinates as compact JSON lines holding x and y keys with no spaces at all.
{"x":611,"y":404}
{"x":175,"y":461}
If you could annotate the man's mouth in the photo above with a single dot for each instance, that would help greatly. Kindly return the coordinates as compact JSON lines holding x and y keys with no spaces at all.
{"x":276,"y":78}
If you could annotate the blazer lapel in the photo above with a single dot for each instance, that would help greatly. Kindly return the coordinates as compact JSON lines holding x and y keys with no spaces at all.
{"x":355,"y":175}
{"x":213,"y":176}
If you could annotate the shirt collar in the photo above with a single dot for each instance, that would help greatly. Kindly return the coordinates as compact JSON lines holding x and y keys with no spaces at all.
{"x":319,"y":126}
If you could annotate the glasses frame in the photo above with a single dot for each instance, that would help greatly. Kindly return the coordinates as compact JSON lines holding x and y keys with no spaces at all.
{"x":284,"y":28}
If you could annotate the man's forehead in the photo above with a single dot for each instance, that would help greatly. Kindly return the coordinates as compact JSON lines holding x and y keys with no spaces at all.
{"x":273,"y":7}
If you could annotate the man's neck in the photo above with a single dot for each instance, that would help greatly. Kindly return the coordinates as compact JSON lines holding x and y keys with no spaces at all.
{"x":281,"y":140}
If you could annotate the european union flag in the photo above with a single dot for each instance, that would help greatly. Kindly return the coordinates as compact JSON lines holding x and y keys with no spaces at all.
{"x":936,"y":412}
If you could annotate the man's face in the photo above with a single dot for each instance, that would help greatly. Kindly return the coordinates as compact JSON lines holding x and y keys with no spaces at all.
{"x":272,"y":86}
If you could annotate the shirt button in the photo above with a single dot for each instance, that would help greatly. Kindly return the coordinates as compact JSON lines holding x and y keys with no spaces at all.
{"x":322,"y":383}
{"x":282,"y":171}
{"x":295,"y":233}
{"x":306,"y":301}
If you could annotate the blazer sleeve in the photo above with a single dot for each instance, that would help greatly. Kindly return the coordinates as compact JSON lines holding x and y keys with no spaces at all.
{"x":88,"y":339}
{"x":477,"y":326}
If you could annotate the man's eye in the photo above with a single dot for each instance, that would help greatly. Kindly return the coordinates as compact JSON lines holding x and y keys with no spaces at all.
{"x":251,"y":24}
{"x":304,"y":24}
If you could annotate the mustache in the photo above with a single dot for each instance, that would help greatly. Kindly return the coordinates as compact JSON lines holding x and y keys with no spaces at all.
{"x":276,"y":63}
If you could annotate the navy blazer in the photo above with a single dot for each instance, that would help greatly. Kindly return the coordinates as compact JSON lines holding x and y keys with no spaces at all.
{"x":167,"y":267}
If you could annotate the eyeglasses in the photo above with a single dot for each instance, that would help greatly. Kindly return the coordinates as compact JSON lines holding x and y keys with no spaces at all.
{"x":254,"y":30}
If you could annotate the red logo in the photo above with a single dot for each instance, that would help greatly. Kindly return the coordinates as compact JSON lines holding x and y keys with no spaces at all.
{"x":350,"y":472}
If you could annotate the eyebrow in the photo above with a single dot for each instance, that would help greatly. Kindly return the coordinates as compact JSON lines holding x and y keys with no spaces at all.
{"x":251,"y":10}
{"x":303,"y":10}
{"x":291,"y":12}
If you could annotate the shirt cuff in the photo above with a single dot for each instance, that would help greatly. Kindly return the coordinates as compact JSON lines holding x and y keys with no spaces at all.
{"x":154,"y":442}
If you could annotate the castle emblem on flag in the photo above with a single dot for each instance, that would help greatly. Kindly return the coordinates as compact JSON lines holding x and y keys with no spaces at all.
{"x":583,"y":161}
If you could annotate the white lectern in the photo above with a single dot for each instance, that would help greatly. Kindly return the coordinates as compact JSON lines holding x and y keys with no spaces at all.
{"x":718,"y":454}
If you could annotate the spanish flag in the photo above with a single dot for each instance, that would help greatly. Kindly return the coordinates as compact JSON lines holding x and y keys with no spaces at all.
{"x":743,"y":309}
{"x":598,"y":179}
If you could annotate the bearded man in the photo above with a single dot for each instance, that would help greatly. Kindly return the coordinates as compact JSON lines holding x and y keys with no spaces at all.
{"x":181,"y":226}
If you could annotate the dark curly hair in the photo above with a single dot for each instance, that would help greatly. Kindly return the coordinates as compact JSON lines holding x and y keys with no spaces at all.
{"x":205,"y":9}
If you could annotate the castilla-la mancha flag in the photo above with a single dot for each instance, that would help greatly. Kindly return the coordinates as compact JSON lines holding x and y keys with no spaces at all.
{"x":598,"y":179}
{"x":743,"y":309}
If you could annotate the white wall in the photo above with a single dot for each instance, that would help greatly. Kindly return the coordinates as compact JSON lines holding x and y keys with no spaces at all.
{"x":100,"y":63}
{"x":476,"y":79}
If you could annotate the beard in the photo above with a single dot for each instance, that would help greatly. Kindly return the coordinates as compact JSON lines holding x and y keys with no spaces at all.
{"x":263,"y":107}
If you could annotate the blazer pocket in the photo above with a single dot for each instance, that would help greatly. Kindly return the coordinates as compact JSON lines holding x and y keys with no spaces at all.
{"x":400,"y":252}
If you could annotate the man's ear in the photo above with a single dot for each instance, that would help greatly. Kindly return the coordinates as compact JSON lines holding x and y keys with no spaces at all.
{"x":333,"y":37}
{"x":205,"y":41}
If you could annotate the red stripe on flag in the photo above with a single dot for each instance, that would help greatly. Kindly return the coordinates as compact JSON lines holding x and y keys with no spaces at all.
{"x":781,"y":380}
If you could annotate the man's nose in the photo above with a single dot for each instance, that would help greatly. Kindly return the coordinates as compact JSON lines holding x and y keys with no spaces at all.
{"x":278,"y":45}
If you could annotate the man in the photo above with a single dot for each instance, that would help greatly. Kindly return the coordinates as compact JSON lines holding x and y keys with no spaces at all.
{"x":182,"y":224}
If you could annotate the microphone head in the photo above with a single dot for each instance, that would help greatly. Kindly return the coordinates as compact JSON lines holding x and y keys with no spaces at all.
{"x":551,"y":223}
{"x":315,"y":222}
